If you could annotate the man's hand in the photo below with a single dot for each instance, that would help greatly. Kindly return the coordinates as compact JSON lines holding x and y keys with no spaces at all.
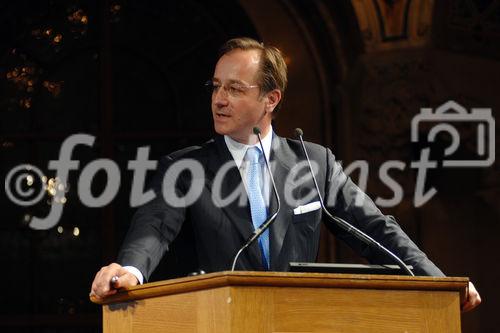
{"x":103,"y":286}
{"x":472,"y":300}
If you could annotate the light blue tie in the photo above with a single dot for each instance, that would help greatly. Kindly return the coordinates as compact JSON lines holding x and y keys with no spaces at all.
{"x":257,"y":204}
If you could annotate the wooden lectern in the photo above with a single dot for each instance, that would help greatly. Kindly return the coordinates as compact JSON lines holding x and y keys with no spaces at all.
{"x":288,"y":302}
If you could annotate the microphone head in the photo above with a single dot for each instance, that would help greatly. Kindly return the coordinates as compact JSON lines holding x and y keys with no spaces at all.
{"x":298,"y":132}
{"x":256,"y":130}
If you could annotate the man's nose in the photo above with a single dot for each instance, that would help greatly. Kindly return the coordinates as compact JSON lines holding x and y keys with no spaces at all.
{"x":219,"y":97}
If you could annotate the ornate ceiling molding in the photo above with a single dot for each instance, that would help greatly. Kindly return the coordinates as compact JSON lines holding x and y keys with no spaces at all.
{"x":394,"y":24}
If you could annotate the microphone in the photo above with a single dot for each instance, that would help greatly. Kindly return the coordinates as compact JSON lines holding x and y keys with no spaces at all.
{"x":264,"y":226}
{"x":360,"y":235}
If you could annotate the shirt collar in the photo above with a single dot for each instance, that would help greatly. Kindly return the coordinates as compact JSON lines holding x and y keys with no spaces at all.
{"x":238,"y":150}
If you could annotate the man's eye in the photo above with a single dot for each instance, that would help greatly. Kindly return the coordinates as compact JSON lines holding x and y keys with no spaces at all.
{"x":233,"y":89}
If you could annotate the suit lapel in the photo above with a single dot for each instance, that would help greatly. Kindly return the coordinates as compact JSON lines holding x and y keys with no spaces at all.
{"x":281,"y":162}
{"x":238,"y":215}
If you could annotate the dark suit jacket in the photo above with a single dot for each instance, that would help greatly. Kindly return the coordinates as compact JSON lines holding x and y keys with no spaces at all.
{"x":218,"y":233}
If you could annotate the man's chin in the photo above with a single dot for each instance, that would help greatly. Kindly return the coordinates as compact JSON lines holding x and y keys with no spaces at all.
{"x":242,"y":138}
{"x":221,"y":130}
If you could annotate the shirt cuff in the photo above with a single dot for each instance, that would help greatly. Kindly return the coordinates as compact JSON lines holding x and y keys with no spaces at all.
{"x":137,"y":273}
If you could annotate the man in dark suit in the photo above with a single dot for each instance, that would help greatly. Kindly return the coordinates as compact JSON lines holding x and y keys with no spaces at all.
{"x":247,"y":88}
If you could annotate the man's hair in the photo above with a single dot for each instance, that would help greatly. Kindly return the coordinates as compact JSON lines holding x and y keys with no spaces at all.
{"x":273,"y":69}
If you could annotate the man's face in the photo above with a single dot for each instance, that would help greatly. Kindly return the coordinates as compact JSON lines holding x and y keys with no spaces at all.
{"x":237,"y":111}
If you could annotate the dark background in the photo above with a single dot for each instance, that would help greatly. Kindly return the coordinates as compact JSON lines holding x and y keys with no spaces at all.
{"x":132,"y":72}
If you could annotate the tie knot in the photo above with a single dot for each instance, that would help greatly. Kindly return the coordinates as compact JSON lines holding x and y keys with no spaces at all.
{"x":253,"y":154}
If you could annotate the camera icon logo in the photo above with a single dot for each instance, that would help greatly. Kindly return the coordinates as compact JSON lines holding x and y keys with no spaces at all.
{"x":451,"y":113}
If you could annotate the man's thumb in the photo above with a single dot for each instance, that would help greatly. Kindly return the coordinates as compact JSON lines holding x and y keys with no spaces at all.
{"x":126,"y":280}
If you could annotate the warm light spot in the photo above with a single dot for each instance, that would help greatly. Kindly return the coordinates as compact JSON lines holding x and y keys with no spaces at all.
{"x":25,"y":103}
{"x":58,"y":38}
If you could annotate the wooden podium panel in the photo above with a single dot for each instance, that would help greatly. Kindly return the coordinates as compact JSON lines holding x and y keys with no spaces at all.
{"x":288,"y":302}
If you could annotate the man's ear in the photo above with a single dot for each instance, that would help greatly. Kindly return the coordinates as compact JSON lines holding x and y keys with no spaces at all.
{"x":273,"y":98}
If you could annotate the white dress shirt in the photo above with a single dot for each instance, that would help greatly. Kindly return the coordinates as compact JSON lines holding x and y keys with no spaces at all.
{"x":238,"y":151}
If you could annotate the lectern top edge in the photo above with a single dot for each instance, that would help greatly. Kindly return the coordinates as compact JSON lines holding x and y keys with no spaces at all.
{"x":287,"y":279}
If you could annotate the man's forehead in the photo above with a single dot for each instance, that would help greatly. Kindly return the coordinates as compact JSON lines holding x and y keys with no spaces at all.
{"x":252,"y":55}
{"x":237,"y":63}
